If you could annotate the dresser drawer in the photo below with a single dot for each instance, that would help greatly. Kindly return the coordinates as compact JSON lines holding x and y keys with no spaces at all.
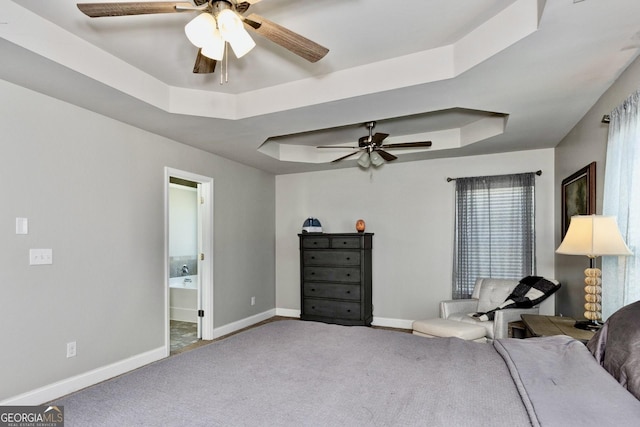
{"x":315,"y":242}
{"x":332,"y":274}
{"x":346,"y":242}
{"x":334,"y":309}
{"x":337,"y":258}
{"x":331,"y":290}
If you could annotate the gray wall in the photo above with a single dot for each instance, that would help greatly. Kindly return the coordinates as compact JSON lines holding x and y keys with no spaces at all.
{"x":586,"y":143}
{"x":410,"y":209}
{"x":92,"y":189}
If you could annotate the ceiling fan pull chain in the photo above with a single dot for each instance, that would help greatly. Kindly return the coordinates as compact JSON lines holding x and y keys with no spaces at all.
{"x":226,"y":62}
{"x":224,"y":73}
{"x":223,"y":64}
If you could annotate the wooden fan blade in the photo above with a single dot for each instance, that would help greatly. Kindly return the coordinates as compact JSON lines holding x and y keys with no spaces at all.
{"x":337,"y":146}
{"x":344,"y":157}
{"x":301,"y":46}
{"x":97,"y":10}
{"x":204,"y":64}
{"x":409,"y":145}
{"x":377,"y":138}
{"x":387,"y":156}
{"x":244,"y":4}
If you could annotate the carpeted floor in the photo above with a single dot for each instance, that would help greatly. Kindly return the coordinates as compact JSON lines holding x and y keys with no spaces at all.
{"x":188,"y":343}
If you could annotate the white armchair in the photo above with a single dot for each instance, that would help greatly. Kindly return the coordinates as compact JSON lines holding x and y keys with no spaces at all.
{"x":488,"y":294}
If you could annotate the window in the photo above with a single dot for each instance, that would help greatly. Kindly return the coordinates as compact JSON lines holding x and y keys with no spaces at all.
{"x":621,"y":275}
{"x":494,"y":229}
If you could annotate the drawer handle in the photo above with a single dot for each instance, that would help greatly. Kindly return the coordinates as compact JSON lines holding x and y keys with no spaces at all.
{"x":313,"y":257}
{"x":348,"y":274}
{"x":313,"y":273}
{"x":315,"y":243}
{"x":313,"y":289}
{"x":348,"y":292}
{"x":344,"y":243}
{"x":348,"y":311}
{"x":348,"y":258}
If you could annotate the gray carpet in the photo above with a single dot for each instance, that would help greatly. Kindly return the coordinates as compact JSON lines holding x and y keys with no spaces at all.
{"x":295,"y":373}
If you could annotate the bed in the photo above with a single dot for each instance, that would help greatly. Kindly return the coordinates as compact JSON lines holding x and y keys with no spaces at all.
{"x":298,"y":373}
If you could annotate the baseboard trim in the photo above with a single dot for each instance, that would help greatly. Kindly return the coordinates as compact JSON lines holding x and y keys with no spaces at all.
{"x":287,"y":312}
{"x":392,"y":323}
{"x":69,"y":385}
{"x":242,"y":323}
{"x":377,"y":321}
{"x":183,"y":314}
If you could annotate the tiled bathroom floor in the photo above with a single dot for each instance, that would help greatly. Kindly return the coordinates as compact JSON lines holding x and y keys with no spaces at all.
{"x":183,"y":334}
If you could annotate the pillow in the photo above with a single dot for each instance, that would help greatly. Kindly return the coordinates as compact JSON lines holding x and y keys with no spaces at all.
{"x":616,"y":346}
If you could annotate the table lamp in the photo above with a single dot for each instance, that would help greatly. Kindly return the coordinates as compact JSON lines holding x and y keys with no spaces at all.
{"x":593,"y":236}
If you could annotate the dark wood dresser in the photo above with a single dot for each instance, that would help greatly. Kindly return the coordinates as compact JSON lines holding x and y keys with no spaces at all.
{"x":335,"y":278}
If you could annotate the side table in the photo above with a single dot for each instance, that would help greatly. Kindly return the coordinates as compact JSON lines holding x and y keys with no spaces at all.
{"x":544,"y":326}
{"x":517,"y":329}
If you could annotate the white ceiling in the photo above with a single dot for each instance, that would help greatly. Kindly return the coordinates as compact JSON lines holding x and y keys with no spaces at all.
{"x":433,"y":69}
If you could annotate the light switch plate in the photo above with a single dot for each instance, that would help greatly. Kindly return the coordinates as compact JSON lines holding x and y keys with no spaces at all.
{"x":22,"y":226}
{"x":40,"y":256}
{"x":71,"y":349}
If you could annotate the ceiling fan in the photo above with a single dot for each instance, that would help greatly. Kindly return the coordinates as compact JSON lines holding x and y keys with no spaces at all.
{"x":218,"y":23}
{"x":373,"y":148}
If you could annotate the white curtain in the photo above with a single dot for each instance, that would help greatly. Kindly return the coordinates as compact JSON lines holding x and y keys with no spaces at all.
{"x":621,"y":275}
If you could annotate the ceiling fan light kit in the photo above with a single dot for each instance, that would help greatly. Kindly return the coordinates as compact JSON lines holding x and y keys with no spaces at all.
{"x":374,"y":149}
{"x":219,"y":22}
{"x":210,"y":32}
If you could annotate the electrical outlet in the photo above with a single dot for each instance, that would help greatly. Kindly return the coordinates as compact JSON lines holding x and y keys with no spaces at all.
{"x":71,"y":349}
{"x":253,"y":300}
{"x":40,"y":256}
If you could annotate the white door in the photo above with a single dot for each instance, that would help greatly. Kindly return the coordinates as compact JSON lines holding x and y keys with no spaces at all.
{"x":205,"y":254}
{"x":200,"y":238}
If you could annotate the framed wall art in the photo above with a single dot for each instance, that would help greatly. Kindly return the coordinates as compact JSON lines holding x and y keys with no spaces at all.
{"x":578,"y":195}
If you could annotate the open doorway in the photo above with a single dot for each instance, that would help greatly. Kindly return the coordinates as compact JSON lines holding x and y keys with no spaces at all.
{"x":188,"y":258}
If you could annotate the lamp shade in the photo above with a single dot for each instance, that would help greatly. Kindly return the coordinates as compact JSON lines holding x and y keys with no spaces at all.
{"x":228,"y":22}
{"x":376,"y":159}
{"x":214,"y":47}
{"x":364,"y":160}
{"x":241,"y":42}
{"x":593,"y":236}
{"x":200,"y":29}
{"x":232,"y":30}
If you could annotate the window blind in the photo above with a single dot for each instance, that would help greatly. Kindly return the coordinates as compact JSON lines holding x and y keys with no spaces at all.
{"x":494,"y":229}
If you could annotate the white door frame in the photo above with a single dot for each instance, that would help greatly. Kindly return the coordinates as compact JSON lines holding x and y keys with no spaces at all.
{"x":205,"y":271}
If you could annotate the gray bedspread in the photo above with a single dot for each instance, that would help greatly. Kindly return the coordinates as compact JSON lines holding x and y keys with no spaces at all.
{"x":561,"y":384}
{"x":294,"y":373}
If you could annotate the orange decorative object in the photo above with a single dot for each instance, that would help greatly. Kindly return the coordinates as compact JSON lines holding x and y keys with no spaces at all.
{"x":360,"y":225}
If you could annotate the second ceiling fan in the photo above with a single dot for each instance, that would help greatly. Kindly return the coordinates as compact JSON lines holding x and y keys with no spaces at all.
{"x":219,"y":22}
{"x":373,"y":148}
